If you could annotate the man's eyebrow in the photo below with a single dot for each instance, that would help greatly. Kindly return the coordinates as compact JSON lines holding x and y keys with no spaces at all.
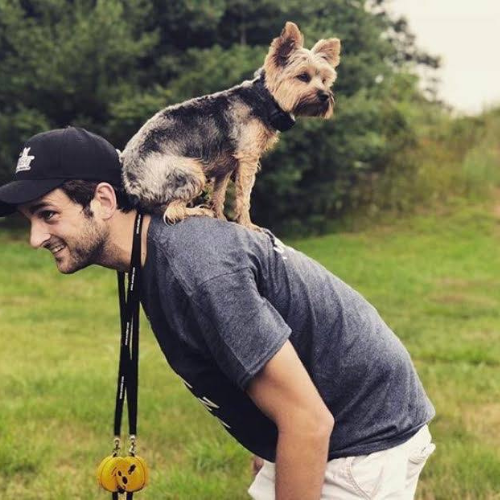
{"x":38,"y":206}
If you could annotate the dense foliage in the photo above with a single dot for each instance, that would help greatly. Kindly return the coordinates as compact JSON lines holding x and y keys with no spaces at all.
{"x":108,"y":65}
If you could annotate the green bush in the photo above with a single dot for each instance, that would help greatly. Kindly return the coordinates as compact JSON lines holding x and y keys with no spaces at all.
{"x":451,"y":157}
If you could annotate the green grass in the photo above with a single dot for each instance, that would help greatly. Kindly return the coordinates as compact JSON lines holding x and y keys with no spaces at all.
{"x":435,"y":280}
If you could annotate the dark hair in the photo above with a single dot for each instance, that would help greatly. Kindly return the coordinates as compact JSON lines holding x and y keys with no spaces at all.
{"x":82,"y":192}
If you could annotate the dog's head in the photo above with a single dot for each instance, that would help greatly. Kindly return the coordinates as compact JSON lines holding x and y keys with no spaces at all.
{"x":299,"y":79}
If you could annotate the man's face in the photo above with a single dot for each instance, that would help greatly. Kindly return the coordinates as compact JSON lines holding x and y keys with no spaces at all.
{"x":75,"y":238}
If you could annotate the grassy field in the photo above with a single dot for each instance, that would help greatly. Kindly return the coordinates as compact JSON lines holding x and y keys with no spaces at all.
{"x":434,"y":278}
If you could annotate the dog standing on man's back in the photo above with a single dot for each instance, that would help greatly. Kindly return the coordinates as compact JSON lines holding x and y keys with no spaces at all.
{"x":167,"y":163}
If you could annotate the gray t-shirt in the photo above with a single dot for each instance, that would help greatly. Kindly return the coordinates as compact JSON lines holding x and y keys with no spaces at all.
{"x":222,"y":300}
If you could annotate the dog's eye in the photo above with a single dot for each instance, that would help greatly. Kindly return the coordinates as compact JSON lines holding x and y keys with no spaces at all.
{"x":304,"y":77}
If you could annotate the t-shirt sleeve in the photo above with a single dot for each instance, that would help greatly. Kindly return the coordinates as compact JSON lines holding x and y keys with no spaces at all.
{"x":242,"y":329}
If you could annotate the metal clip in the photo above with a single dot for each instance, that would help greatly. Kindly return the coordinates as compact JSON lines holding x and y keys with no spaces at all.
{"x":117,"y":445}
{"x":132,"y":445}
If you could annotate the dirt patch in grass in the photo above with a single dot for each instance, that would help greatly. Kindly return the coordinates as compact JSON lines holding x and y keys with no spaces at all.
{"x":460,"y":298}
{"x":484,"y":421}
{"x":496,"y":205}
{"x":466,"y":284}
{"x":496,"y":210}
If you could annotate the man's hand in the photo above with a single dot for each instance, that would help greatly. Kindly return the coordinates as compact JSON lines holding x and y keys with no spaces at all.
{"x":284,"y":391}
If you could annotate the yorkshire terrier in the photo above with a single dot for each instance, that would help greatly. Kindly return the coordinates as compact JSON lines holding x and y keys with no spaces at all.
{"x":215,"y":137}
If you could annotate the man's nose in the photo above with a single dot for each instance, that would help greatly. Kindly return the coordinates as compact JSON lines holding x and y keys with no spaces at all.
{"x":38,"y":235}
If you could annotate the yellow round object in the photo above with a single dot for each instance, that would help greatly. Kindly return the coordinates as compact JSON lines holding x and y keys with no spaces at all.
{"x":106,"y":473}
{"x":132,"y":474}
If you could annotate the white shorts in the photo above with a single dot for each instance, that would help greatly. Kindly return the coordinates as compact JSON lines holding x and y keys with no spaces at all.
{"x":383,"y":475}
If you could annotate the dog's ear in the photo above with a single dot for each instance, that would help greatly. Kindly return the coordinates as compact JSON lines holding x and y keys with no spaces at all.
{"x":329,"y":50}
{"x":288,"y":42}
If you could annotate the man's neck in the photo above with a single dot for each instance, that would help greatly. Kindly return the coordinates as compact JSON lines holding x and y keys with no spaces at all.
{"x":119,"y":248}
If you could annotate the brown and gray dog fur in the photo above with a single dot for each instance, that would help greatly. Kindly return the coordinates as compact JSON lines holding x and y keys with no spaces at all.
{"x":223,"y":135}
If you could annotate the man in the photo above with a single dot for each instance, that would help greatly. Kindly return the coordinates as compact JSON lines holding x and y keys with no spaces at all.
{"x":294,"y":363}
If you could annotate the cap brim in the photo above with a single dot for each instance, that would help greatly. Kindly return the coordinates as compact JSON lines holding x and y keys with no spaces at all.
{"x":18,"y":192}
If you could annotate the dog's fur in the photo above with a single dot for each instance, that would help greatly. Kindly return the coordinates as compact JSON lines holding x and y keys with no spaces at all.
{"x":166,"y":164}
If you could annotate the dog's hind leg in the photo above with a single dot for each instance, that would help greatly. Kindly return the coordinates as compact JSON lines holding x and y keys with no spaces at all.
{"x":189,"y":182}
{"x":177,"y":211}
{"x":167,"y":183}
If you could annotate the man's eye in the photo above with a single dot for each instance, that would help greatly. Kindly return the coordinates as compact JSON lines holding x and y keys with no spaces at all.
{"x":46,"y":214}
{"x":304,"y":77}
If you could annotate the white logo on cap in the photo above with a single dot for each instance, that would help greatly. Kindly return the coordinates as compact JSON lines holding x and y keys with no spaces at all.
{"x":24,"y":161}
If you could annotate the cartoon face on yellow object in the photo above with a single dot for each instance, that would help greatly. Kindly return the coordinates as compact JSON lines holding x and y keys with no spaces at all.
{"x":106,"y":473}
{"x":131,"y":474}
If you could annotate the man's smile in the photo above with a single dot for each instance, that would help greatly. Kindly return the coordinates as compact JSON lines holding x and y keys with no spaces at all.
{"x":56,"y":248}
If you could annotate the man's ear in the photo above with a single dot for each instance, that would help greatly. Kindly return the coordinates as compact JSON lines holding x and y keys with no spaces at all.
{"x":104,"y":202}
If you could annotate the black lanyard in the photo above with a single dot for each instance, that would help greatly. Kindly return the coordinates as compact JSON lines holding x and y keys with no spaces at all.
{"x":129,"y":348}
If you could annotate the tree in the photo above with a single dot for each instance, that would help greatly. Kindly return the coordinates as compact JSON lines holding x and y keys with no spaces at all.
{"x":66,"y":63}
{"x":110,"y":64}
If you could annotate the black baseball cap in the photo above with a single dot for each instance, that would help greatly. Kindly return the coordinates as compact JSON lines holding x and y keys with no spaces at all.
{"x":51,"y":158}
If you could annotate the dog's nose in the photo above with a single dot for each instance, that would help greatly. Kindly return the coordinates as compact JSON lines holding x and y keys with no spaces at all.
{"x":322,"y":96}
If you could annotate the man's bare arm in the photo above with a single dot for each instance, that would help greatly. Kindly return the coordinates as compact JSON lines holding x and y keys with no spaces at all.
{"x":284,"y":391}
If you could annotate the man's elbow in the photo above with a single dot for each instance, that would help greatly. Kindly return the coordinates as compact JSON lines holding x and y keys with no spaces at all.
{"x":326,"y":423}
{"x":316,"y":425}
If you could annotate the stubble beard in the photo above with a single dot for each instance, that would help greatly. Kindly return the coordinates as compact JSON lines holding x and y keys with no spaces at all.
{"x":88,"y":250}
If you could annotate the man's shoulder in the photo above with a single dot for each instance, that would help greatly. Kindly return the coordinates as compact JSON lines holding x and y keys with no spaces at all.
{"x":195,"y":231}
{"x":200,"y":248}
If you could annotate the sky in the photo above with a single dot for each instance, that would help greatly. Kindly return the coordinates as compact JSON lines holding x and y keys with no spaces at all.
{"x":466,"y":34}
